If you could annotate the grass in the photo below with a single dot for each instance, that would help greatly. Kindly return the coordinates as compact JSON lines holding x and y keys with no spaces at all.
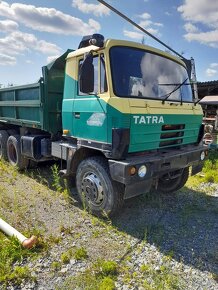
{"x":12,"y":252}
{"x":77,"y":253}
{"x":210,"y":171}
{"x":100,"y":276}
{"x":154,"y":279}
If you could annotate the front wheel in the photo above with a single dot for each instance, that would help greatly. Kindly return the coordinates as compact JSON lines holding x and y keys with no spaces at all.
{"x":169,"y":185}
{"x":98,"y":193}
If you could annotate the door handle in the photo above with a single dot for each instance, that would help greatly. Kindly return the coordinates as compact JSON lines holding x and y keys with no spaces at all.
{"x":76,"y":115}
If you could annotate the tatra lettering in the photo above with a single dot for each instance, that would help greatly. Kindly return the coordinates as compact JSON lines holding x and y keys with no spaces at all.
{"x":148,"y":119}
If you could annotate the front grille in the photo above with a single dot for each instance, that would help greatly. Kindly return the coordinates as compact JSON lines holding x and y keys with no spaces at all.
{"x":172,"y":135}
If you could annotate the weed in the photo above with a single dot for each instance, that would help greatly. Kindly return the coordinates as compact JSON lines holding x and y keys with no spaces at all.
{"x":56,"y":265}
{"x":96,"y":234}
{"x":80,"y":254}
{"x":66,"y":256}
{"x":166,"y":280}
{"x":56,"y":184}
{"x":86,"y":280}
{"x":145,"y":268}
{"x":107,"y":284}
{"x":107,"y":268}
{"x":65,"y":230}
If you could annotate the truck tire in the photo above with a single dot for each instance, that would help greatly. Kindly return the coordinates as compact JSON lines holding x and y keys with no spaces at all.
{"x":14,"y":153}
{"x":168,"y":185}
{"x":3,"y":144}
{"x":98,"y":193}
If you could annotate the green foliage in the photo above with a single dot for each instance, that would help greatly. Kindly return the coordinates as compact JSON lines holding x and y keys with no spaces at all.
{"x":10,"y":252}
{"x":66,"y":256}
{"x":107,"y":268}
{"x":159,"y":279}
{"x":107,"y":284}
{"x":77,"y":253}
{"x":18,"y":274}
{"x":211,"y":168}
{"x":210,"y":171}
{"x":56,"y":184}
{"x":56,"y":265}
{"x":100,"y":276}
{"x":80,"y":254}
{"x":145,"y":268}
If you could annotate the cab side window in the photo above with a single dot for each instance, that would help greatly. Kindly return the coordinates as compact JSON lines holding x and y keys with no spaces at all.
{"x":100,"y":81}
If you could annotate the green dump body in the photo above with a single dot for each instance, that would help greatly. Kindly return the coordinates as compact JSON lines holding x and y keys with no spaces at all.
{"x":37,"y":105}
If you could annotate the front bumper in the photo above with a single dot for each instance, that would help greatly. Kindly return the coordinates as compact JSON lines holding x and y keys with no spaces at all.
{"x":157,"y":164}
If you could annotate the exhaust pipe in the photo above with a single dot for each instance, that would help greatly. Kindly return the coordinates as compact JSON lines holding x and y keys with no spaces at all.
{"x":10,"y":231}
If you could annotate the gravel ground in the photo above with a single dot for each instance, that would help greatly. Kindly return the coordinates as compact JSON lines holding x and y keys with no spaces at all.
{"x":153,"y":238}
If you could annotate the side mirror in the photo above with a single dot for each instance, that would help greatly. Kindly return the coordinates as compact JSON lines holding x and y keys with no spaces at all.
{"x":86,"y":75}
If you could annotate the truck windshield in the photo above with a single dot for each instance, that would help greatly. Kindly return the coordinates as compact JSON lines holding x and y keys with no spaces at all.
{"x":142,"y":74}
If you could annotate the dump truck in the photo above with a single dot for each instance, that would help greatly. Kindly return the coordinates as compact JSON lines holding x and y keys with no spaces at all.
{"x":119,"y":114}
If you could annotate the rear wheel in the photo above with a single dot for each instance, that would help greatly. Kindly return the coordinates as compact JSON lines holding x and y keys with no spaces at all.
{"x":98,"y":193}
{"x":14,"y":153}
{"x":169,"y":185}
{"x":3,"y":144}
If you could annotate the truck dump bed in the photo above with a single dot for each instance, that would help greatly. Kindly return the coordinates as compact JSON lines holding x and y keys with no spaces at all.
{"x":36,"y":105}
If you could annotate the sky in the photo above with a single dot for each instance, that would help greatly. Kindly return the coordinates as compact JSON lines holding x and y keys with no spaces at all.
{"x":33,"y":33}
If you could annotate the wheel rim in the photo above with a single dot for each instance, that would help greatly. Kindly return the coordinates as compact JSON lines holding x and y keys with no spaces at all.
{"x":92,"y":189}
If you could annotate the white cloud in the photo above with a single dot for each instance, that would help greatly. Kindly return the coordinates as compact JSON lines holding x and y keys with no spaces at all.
{"x":204,"y":12}
{"x":18,"y":42}
{"x":168,"y":13}
{"x":7,"y":60}
{"x":47,"y":19}
{"x":211,"y":72}
{"x":147,"y":24}
{"x":52,"y":58}
{"x":214,"y":64}
{"x":209,"y":38}
{"x":96,"y":9}
{"x":133,"y":34}
{"x":189,"y":27}
{"x":29,"y":61}
{"x":8,"y":25}
{"x":145,"y":16}
{"x":5,"y":10}
{"x":94,"y":24}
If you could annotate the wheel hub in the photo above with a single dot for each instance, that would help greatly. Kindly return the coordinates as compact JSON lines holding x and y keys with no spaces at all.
{"x":92,"y":188}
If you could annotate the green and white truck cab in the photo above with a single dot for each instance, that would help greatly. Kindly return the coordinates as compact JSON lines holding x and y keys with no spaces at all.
{"x":128,"y":121}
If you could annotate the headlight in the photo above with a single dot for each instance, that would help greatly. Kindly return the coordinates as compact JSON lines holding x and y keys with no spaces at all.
{"x":202,"y":155}
{"x":142,"y":171}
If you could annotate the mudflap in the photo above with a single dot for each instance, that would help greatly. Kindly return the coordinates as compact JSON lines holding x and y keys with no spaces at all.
{"x":196,"y":168}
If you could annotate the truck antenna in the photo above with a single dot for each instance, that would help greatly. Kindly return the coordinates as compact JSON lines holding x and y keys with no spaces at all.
{"x":139,"y":27}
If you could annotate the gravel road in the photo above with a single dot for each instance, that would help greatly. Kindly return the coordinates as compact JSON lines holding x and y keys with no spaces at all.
{"x":153,"y":238}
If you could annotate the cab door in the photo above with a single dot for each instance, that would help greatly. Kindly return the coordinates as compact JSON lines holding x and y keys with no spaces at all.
{"x":89,"y":110}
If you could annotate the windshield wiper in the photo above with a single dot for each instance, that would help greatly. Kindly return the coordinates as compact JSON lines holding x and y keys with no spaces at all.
{"x":178,"y":86}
